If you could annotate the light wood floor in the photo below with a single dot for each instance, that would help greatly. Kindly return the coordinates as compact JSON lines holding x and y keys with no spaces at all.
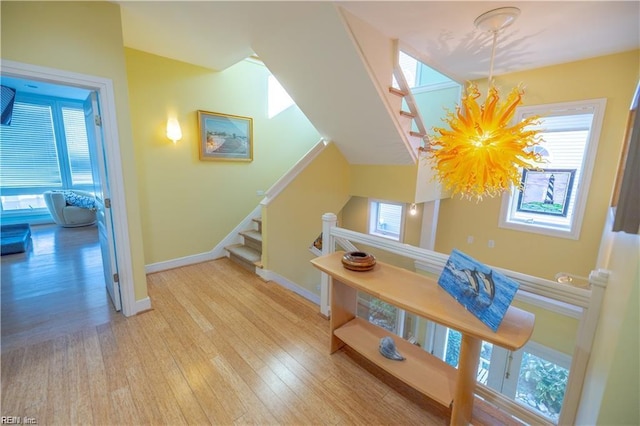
{"x":219,"y":347}
{"x":54,"y":288}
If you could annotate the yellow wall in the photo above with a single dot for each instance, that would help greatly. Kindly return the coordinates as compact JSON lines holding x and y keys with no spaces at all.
{"x":612,"y":77}
{"x":391,"y":183}
{"x":82,"y":37}
{"x":188,"y":206}
{"x":355,"y":216}
{"x":612,"y":386}
{"x":293,"y":220}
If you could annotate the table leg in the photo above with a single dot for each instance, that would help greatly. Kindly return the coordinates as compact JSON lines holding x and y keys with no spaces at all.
{"x":466,"y":382}
{"x":343,"y":309}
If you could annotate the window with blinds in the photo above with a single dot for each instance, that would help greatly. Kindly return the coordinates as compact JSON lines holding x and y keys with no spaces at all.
{"x":45,"y":148}
{"x":570,"y":136}
{"x":386,"y":219}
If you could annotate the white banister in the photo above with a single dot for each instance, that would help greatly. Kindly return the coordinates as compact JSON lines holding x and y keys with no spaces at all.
{"x":329,"y":221}
{"x":297,"y":168}
{"x":598,"y":280}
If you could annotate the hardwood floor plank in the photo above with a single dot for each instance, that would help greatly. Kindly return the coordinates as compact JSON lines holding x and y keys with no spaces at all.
{"x":123,"y":409}
{"x":100,"y":401}
{"x":80,"y":410}
{"x":58,"y":388}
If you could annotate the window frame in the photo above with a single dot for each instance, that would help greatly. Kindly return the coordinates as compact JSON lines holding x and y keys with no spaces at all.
{"x":597,"y":108}
{"x":373,"y":222}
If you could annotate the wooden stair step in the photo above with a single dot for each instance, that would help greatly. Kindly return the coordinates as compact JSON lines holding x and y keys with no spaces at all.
{"x":244,"y":252}
{"x":397,"y":92}
{"x":258,"y":221}
{"x":407,"y":114}
{"x":252,"y":234}
{"x":417,"y":134}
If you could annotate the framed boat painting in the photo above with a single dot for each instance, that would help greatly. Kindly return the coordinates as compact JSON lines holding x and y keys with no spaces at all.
{"x":225,"y":137}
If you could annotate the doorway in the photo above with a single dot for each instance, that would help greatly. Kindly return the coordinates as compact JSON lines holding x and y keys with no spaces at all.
{"x":118,"y":234}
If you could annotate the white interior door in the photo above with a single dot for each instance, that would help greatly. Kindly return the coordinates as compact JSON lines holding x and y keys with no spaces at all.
{"x":101,"y":188}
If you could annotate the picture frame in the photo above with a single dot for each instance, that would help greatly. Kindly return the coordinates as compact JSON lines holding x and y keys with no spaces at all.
{"x":546,"y":191}
{"x":225,"y":137}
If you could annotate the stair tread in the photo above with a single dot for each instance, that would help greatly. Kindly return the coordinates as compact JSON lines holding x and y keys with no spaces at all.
{"x":407,"y":114}
{"x":257,"y":219}
{"x":253,"y":234}
{"x":245,"y":252}
{"x":397,"y":91}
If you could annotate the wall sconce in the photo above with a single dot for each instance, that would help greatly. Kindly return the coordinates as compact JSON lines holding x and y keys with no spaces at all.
{"x":413,"y":209}
{"x":173,"y":130}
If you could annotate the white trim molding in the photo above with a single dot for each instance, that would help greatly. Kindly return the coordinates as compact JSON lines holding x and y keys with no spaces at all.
{"x":297,"y":168}
{"x":215,"y":253}
{"x":143,"y":305}
{"x":104,"y":87}
{"x":268,"y":275}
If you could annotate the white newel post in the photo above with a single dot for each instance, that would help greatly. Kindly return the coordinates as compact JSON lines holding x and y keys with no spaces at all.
{"x":598,"y":280}
{"x":329,"y":220}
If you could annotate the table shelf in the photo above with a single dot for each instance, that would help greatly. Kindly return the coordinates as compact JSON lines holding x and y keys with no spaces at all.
{"x":420,"y":370}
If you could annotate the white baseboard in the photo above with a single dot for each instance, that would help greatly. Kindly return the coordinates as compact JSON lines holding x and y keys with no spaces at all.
{"x":143,"y":305}
{"x":215,"y":253}
{"x":181,"y":261}
{"x":268,"y":275}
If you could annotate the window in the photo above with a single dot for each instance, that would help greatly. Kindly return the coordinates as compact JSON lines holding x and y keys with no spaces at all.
{"x":278,"y":98}
{"x":386,"y":219}
{"x":534,"y":376}
{"x":46,"y":147}
{"x":553,"y":199}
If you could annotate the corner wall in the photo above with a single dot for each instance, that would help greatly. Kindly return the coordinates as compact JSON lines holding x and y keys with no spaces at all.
{"x":293,"y":220}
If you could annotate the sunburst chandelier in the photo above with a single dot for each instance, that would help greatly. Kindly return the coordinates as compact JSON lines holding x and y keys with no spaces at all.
{"x":481,"y":154}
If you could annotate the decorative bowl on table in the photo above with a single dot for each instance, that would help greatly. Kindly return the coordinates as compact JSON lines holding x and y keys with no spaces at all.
{"x":358,"y":261}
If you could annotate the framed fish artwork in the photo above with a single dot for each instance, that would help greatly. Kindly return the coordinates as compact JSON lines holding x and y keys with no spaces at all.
{"x":483,"y":291}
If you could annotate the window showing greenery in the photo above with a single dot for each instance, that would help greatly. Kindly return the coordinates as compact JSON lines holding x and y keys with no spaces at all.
{"x":534,"y":376}
{"x":452,"y":354}
{"x":378,"y":312}
{"x":541,"y":385}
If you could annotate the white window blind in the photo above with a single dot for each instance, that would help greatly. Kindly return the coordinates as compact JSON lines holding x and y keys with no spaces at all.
{"x":28,"y":150}
{"x":386,"y":219}
{"x":77,"y":146}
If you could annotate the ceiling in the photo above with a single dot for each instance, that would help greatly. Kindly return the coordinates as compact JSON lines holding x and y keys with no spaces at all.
{"x":217,"y":34}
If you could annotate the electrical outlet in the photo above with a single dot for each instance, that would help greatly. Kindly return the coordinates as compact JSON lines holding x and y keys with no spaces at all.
{"x":470,"y":239}
{"x":491,"y":244}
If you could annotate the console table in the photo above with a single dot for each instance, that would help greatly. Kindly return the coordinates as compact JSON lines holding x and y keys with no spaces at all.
{"x":422,"y":296}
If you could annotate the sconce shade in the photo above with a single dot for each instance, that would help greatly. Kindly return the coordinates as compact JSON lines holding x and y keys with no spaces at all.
{"x":173,"y":130}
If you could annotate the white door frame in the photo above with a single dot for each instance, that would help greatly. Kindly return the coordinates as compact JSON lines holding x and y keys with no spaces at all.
{"x":104,"y":87}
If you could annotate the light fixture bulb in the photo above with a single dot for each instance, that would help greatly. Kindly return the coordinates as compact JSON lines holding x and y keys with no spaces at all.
{"x":413,"y":210}
{"x":173,"y":130}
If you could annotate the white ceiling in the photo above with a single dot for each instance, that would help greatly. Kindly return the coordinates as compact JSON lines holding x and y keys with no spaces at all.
{"x":217,"y":34}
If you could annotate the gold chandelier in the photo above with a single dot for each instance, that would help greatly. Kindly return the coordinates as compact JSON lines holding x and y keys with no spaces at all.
{"x":481,"y":154}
